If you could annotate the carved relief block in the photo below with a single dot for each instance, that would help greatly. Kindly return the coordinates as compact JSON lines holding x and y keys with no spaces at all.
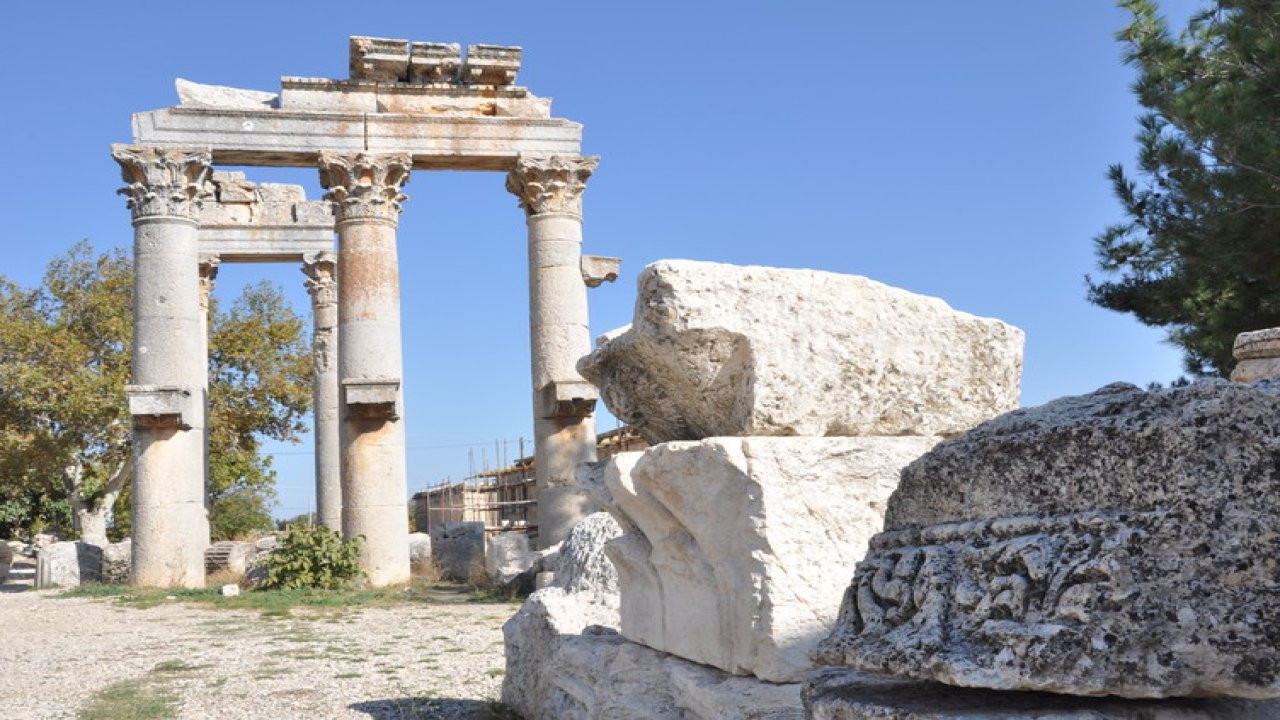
{"x":1118,"y":543}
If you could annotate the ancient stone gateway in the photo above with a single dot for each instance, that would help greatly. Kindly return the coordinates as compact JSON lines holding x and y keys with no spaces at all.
{"x":406,"y":107}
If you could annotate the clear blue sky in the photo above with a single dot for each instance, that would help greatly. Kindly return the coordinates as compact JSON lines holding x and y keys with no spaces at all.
{"x":952,"y":149}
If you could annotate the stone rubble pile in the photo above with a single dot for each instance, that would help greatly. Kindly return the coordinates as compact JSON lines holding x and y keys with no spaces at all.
{"x":1119,"y":543}
{"x":780,"y":406}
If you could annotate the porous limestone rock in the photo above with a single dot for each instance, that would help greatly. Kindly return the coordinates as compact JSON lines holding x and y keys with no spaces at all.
{"x":843,"y":694}
{"x":716,"y":350}
{"x":68,"y":564}
{"x":1121,"y":542}
{"x":117,"y":560}
{"x":737,"y":550}
{"x":507,"y":556}
{"x":458,"y":550}
{"x":1258,"y":354}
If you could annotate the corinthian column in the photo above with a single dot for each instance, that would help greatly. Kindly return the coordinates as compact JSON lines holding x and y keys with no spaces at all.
{"x":321,"y":270}
{"x":365,"y":192}
{"x":208,"y":277}
{"x":167,"y":397}
{"x":550,"y":191}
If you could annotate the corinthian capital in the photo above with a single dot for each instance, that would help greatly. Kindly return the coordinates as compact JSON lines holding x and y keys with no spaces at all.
{"x":161,"y":181}
{"x":551,"y":183}
{"x":365,"y":186}
{"x":321,"y":270}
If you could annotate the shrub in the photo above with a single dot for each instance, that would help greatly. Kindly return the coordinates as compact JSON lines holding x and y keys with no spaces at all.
{"x":312,"y":557}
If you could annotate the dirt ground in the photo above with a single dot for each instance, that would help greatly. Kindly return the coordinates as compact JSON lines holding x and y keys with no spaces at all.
{"x":80,"y":657}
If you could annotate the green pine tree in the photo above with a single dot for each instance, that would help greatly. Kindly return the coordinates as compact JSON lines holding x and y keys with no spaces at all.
{"x":1198,"y":251}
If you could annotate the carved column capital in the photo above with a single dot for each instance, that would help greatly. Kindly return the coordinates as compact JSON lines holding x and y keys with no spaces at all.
{"x":322,"y":283}
{"x":551,"y":183}
{"x":365,"y":186}
{"x":161,"y":182}
{"x":208,"y":275}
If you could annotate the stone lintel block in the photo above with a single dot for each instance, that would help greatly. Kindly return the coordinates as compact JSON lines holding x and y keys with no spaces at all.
{"x":568,"y":398}
{"x":1258,"y":344}
{"x":434,"y":62}
{"x":295,"y":138}
{"x":717,"y":350}
{"x":491,"y":65}
{"x":599,"y":269}
{"x":1115,"y":543}
{"x":379,"y":59}
{"x":160,"y":406}
{"x":735,"y":551}
{"x":843,"y":694}
{"x":372,"y":398}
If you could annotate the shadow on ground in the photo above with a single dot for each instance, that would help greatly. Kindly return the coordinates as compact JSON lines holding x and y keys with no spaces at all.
{"x":21,"y":577}
{"x":433,"y":709}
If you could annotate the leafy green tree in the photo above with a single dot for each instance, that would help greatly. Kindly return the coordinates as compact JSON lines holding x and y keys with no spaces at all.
{"x":64,"y":422}
{"x":1197,"y":251}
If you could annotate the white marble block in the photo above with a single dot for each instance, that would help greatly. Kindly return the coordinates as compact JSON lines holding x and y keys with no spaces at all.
{"x":719,"y":350}
{"x":736,"y":550}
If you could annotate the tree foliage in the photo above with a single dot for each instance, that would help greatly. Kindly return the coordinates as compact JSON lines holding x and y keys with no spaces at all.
{"x":64,"y":422}
{"x":1197,"y":252}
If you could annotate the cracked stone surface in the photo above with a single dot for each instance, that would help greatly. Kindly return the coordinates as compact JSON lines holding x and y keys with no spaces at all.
{"x":719,"y":350}
{"x":1116,"y":543}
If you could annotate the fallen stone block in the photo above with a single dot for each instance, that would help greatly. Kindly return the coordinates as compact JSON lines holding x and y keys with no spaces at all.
{"x":6,"y":561}
{"x":722,"y":350}
{"x":117,"y":561}
{"x":68,"y":564}
{"x":736,"y":550}
{"x":229,"y":556}
{"x":565,"y":660}
{"x":419,"y":551}
{"x":458,"y":550}
{"x":1258,"y":353}
{"x":1117,"y":543}
{"x":507,"y":556}
{"x":843,"y":694}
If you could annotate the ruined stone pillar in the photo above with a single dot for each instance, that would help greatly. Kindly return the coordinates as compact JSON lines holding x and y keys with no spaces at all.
{"x":321,"y":270}
{"x":550,"y":191}
{"x":167,"y":397}
{"x":365,"y":191}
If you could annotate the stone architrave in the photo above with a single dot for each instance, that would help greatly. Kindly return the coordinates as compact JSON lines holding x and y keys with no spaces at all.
{"x":167,"y":397}
{"x":737,"y":550}
{"x":1117,"y":543}
{"x":1257,"y":354}
{"x":365,"y":191}
{"x":550,"y":189}
{"x":322,"y":284}
{"x":717,"y":350}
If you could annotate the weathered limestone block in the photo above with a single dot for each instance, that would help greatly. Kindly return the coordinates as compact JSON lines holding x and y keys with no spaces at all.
{"x":458,"y":550}
{"x":419,"y":551}
{"x":737,"y":550}
{"x":1117,"y":543}
{"x":1258,"y":354}
{"x":507,"y":556}
{"x":117,"y":562}
{"x":716,"y":350}
{"x":843,"y":694}
{"x":6,"y":561}
{"x":68,"y":564}
{"x":565,"y":662}
{"x":232,"y":556}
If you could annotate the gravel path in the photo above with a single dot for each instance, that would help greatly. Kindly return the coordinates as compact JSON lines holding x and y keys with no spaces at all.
{"x":60,"y":657}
